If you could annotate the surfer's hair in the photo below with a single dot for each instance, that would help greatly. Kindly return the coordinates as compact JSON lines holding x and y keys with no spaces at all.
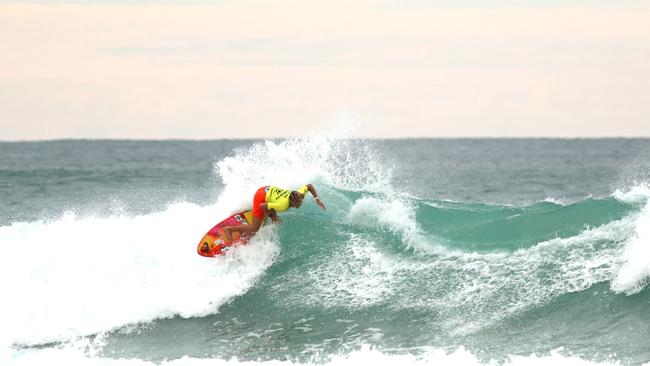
{"x":295,"y":196}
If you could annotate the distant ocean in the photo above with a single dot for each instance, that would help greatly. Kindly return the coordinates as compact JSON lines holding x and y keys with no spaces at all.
{"x":431,"y":251}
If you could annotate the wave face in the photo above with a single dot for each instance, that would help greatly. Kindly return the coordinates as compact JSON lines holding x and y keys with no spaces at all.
{"x":438,"y":251}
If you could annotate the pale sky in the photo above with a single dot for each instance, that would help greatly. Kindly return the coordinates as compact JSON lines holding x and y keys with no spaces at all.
{"x":247,"y":69}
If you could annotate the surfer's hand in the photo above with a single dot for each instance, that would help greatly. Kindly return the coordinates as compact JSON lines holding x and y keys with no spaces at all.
{"x":275,"y":219}
{"x":320,"y":203}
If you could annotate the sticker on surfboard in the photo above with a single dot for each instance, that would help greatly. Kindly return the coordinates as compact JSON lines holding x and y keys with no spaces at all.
{"x":214,"y":242}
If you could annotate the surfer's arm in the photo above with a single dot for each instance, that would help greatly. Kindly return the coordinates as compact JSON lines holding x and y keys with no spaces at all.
{"x":274,"y":216}
{"x":270,"y":212}
{"x":312,"y":190}
{"x":249,"y":228}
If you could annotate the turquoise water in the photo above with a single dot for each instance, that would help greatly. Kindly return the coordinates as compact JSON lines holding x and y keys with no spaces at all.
{"x":430,"y":251}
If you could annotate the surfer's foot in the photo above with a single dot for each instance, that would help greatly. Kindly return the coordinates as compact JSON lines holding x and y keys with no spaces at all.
{"x":226,"y":231}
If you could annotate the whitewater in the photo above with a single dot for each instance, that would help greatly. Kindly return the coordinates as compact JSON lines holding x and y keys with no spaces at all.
{"x":430,"y":251}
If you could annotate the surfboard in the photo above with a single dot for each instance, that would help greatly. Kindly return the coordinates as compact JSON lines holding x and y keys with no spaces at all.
{"x":214,"y":243}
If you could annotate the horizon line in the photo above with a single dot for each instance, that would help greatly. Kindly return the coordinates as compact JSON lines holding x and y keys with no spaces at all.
{"x":93,"y":139}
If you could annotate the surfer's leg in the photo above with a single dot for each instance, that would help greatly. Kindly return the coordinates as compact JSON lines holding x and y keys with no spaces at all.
{"x":259,"y":215}
{"x":249,"y":228}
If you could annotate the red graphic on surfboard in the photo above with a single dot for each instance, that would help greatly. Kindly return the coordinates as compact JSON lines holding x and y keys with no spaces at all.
{"x":214,"y":242}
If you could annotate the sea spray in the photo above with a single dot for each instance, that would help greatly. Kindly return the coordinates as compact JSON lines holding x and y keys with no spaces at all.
{"x":344,"y":164}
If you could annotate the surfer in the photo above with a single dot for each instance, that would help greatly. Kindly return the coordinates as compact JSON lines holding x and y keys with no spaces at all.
{"x":270,"y":200}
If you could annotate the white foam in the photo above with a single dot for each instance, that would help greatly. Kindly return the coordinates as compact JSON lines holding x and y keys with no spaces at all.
{"x":357,"y":276}
{"x":83,"y":275}
{"x":390,"y":212}
{"x":639,"y":193}
{"x":556,"y":201}
{"x":364,"y":356}
{"x":634,"y":274}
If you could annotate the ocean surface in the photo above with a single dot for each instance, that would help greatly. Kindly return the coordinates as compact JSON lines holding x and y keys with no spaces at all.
{"x":430,"y":251}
